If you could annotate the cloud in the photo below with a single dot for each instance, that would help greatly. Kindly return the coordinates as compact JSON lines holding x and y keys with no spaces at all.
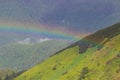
{"x":75,"y":15}
{"x":43,"y":40}
{"x":25,"y":41}
{"x":29,"y":41}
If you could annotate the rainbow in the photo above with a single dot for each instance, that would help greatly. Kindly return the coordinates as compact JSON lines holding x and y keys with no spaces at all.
{"x":35,"y":30}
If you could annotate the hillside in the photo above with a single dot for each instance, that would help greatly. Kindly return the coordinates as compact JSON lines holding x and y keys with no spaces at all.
{"x":19,"y":57}
{"x":100,"y":37}
{"x":100,"y":59}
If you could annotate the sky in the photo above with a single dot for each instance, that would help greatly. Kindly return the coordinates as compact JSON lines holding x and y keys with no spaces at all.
{"x":70,"y":16}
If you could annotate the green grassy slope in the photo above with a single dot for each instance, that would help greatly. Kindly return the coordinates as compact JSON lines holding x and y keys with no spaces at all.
{"x":69,"y":64}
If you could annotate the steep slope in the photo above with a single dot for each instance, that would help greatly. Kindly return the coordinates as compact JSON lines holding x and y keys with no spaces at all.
{"x":100,"y":37}
{"x":93,"y":64}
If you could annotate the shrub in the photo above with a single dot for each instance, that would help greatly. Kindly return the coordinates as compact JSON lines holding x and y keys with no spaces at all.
{"x":65,"y":72}
{"x":84,"y":71}
{"x":54,"y":68}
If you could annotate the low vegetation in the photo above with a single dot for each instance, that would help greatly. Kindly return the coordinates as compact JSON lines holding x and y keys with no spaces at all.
{"x":93,"y":64}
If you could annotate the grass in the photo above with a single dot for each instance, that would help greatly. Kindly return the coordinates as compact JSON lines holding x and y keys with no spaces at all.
{"x":95,"y":57}
{"x":69,"y":64}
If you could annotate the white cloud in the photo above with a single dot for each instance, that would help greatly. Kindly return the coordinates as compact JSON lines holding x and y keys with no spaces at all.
{"x":43,"y":40}
{"x":29,"y":41}
{"x":25,"y":41}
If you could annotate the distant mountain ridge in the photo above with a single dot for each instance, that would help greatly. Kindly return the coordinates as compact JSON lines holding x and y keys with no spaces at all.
{"x":16,"y":57}
{"x":27,"y":55}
